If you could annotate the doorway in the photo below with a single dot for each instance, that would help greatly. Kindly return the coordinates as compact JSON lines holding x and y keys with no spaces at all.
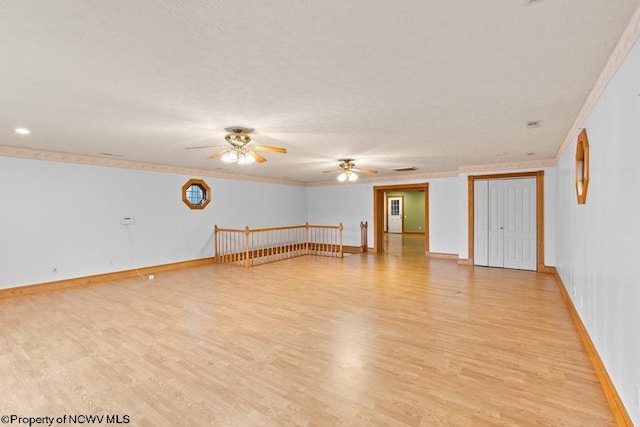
{"x":534,"y":231}
{"x":379,"y":208}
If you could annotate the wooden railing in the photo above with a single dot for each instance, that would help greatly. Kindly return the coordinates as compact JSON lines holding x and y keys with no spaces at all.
{"x":364,"y":245}
{"x":261,"y":245}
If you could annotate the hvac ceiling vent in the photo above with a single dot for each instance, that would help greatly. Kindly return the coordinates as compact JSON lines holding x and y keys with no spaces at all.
{"x":533,"y":124}
{"x":405,"y":169}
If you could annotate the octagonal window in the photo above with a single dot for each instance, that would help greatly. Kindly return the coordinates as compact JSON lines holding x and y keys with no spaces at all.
{"x":196,"y":194}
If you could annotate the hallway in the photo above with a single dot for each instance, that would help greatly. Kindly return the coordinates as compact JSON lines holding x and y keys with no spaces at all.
{"x":404,"y":244}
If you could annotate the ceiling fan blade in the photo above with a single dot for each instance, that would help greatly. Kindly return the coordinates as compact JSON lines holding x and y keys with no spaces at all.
{"x":272,"y":149}
{"x":258,"y":157}
{"x":201,"y":146}
{"x":364,"y":170}
{"x":333,"y":171}
{"x":218,"y":154}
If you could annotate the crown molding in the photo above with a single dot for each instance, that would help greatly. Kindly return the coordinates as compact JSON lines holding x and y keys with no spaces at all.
{"x":394,"y":178}
{"x":533,"y":164}
{"x":493,"y":167}
{"x":54,"y":156}
{"x":619,"y":54}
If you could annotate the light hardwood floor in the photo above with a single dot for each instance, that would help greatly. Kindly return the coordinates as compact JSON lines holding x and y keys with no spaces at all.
{"x":394,"y":340}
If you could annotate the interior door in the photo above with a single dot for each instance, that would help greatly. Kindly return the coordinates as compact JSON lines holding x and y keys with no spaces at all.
{"x":394,"y":214}
{"x":520,"y":224}
{"x":496,"y":223}
{"x":481,"y":223}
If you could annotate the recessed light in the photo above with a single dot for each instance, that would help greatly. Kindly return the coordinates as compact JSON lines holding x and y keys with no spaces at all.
{"x":22,"y":131}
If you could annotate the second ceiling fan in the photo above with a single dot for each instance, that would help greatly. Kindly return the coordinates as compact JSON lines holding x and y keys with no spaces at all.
{"x":241,"y":151}
{"x":348,"y":169}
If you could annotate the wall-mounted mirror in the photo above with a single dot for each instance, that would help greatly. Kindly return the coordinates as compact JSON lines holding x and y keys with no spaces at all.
{"x":582,"y":167}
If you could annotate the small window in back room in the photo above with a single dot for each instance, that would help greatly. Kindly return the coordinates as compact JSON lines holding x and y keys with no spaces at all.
{"x":395,"y":207}
{"x":196,"y":194}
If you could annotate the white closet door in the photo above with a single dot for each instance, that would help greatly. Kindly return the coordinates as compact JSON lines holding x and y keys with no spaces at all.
{"x":520,"y":225}
{"x":481,"y":222}
{"x":496,"y":223}
{"x":505,"y":223}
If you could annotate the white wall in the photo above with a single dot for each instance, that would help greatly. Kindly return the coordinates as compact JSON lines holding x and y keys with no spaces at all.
{"x":346,"y":204}
{"x":443,"y":215}
{"x":68,"y":216}
{"x":353,"y":203}
{"x":448,"y":212}
{"x":597,"y":250}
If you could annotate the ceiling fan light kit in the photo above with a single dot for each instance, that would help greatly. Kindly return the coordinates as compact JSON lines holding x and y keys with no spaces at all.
{"x":241,"y":151}
{"x":236,"y":156}
{"x":347,"y":171}
{"x":347,"y":176}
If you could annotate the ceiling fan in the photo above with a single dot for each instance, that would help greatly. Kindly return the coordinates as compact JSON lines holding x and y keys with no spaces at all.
{"x":241,"y":151}
{"x":348,"y":169}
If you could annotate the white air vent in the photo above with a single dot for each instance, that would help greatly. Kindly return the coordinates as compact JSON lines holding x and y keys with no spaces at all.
{"x":533,"y":124}
{"x":405,"y":169}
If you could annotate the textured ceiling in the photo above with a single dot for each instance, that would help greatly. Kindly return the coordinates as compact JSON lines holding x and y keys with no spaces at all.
{"x":433,"y":84}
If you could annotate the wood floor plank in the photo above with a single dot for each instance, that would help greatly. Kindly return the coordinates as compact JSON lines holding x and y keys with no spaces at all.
{"x":397,"y":339}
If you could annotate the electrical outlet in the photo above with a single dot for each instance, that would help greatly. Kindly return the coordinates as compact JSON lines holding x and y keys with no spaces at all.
{"x":127,"y":220}
{"x":573,"y":291}
{"x":54,"y":270}
{"x":419,"y":227}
